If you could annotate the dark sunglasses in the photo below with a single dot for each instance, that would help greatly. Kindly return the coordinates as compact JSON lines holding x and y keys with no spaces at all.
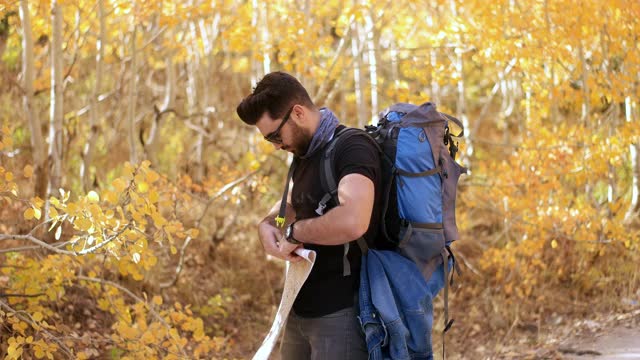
{"x":274,"y":136}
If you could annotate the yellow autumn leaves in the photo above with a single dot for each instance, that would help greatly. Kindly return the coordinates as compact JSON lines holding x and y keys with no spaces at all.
{"x":32,"y":213}
{"x":559,"y":198}
{"x":125,"y":223}
{"x":6,"y":141}
{"x":120,"y":214}
{"x":40,"y":349}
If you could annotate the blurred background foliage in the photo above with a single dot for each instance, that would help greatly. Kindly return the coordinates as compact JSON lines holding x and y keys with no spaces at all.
{"x":130,"y":190}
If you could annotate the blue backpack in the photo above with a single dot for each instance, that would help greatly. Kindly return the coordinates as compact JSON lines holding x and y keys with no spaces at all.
{"x":419,"y":178}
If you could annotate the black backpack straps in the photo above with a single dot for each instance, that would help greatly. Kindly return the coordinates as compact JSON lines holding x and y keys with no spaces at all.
{"x":327,"y":176}
{"x":330,"y":186}
{"x":280,"y":219}
{"x":327,"y":170}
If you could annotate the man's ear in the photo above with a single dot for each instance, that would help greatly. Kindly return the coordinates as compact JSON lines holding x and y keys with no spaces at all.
{"x":300,"y":114}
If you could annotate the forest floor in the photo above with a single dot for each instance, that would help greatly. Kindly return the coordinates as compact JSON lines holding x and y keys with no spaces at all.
{"x":604,"y":337}
{"x":615,"y":338}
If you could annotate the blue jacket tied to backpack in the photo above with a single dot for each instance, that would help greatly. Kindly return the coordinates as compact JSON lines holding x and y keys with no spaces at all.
{"x":396,"y":311}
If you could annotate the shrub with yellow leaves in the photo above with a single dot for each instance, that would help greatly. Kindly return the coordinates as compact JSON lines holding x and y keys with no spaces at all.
{"x":99,"y":237}
{"x":556,"y":224}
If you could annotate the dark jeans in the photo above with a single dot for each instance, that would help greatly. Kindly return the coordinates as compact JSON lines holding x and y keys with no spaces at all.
{"x":335,"y":336}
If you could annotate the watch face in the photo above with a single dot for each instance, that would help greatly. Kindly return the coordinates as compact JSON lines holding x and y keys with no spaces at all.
{"x":288,"y":232}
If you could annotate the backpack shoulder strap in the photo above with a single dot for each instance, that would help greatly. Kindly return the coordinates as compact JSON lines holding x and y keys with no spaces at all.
{"x":330,"y":186}
{"x":327,"y":169}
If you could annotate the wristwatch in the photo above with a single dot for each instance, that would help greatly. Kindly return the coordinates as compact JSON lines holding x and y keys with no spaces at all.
{"x":288,"y":234}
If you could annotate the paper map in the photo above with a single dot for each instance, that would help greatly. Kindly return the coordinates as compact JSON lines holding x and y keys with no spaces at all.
{"x":296,"y":275}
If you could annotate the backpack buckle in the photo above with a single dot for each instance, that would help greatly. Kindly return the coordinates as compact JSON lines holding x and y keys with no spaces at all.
{"x":323,"y":204}
{"x":320,"y":209}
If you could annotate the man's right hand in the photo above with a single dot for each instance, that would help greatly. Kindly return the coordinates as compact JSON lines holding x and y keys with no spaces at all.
{"x":270,"y":237}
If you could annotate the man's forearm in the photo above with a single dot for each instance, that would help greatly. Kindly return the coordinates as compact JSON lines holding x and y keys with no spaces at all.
{"x":336,"y":227}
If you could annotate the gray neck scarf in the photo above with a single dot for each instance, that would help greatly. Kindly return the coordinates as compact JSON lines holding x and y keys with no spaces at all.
{"x":324,"y":134}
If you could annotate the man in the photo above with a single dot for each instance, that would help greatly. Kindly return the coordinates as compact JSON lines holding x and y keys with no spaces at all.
{"x":323,"y":323}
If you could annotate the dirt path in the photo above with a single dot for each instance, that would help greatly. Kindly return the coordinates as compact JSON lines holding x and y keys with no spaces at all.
{"x":621,"y":343}
{"x":618,"y":340}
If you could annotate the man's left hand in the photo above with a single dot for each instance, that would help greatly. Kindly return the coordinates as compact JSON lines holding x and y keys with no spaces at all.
{"x":287,"y":250}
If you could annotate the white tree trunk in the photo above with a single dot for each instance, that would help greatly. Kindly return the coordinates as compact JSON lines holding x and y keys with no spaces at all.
{"x":550,"y":64}
{"x":635,"y":186}
{"x":461,"y":106}
{"x":435,"y":87}
{"x":586,"y":103}
{"x":56,"y":109}
{"x":461,"y":103}
{"x":87,"y":152}
{"x":255,"y":65}
{"x":266,"y":37}
{"x":133,"y":98}
{"x":323,"y":94}
{"x":358,"y":76}
{"x":170,"y":91}
{"x":635,"y":167}
{"x":373,"y":67}
{"x":193,"y":101}
{"x":37,"y":139}
{"x":394,"y":65}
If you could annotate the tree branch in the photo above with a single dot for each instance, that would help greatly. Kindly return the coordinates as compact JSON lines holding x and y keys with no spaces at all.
{"x":187,"y":241}
{"x":7,"y":295}
{"x":185,"y":118}
{"x":33,"y":324}
{"x":35,"y":241}
{"x":12,"y":196}
{"x":27,"y":248}
{"x":55,"y":249}
{"x":133,"y":296}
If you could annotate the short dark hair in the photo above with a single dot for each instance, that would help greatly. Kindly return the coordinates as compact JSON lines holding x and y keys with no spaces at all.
{"x":275,"y":94}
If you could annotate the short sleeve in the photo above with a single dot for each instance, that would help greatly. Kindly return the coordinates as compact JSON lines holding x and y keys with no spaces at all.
{"x":357,"y":155}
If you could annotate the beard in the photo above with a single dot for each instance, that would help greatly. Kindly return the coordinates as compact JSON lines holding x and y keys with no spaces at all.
{"x":301,"y":141}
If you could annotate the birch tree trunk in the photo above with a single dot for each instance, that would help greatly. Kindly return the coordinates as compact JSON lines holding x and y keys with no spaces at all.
{"x":461,"y":102}
{"x":634,"y":207}
{"x":150,"y":144}
{"x":133,"y":97}
{"x":193,"y":101}
{"x":56,"y":107}
{"x":586,"y":104}
{"x":358,"y":76}
{"x":373,"y":66}
{"x":461,"y":105}
{"x":555,"y":111}
{"x":433,"y":62}
{"x":435,"y":87}
{"x":87,"y":152}
{"x":585,"y":113}
{"x":635,"y":190}
{"x":170,"y":86}
{"x":613,"y":117}
{"x":266,"y":37}
{"x":394,"y":65}
{"x":323,"y":93}
{"x":37,"y":139}
{"x":255,"y":65}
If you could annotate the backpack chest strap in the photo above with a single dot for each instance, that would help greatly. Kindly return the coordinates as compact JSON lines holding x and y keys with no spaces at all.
{"x":433,"y":171}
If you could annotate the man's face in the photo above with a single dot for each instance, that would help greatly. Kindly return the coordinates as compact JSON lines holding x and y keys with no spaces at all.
{"x":286,"y":133}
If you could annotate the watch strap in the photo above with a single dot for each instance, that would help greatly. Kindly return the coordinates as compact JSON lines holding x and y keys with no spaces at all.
{"x":291,"y":238}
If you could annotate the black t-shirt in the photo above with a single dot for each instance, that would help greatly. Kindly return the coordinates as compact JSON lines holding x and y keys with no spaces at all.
{"x":327,"y":290}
